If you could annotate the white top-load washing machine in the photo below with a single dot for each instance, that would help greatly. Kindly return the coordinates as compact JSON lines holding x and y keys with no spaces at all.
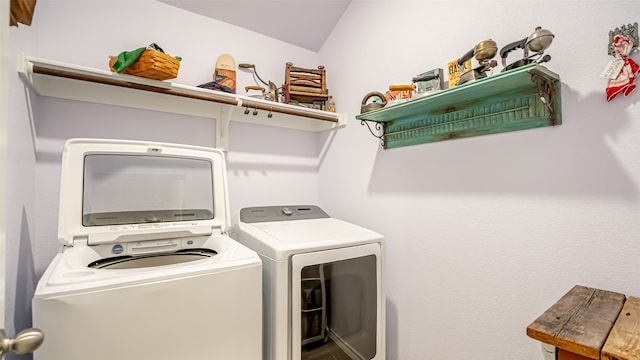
{"x":146,"y":270}
{"x":322,"y":286}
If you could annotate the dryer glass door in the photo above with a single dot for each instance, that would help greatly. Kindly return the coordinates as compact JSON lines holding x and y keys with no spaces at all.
{"x":337,"y":305}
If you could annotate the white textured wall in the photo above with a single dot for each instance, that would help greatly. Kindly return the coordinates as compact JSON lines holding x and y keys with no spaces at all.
{"x":483,"y":234}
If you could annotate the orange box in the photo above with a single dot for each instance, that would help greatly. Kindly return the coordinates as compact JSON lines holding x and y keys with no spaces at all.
{"x":399,"y":94}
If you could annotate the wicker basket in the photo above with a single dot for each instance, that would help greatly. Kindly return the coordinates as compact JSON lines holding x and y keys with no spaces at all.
{"x":152,"y":64}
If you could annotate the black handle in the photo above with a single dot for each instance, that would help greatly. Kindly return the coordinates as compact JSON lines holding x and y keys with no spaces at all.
{"x":466,"y":56}
{"x":425,"y":78}
{"x":520,"y":44}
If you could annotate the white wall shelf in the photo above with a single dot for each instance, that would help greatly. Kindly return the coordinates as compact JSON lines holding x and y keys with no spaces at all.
{"x":67,"y":81}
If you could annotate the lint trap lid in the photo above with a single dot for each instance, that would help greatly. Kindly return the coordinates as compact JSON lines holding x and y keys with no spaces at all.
{"x":123,"y":191}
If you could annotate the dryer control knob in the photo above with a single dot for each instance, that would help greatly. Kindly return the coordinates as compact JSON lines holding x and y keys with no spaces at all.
{"x":287,"y":211}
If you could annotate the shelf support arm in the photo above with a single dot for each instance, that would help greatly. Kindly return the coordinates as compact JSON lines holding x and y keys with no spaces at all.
{"x":547,"y":92}
{"x":222,"y":127}
{"x":380,"y":129}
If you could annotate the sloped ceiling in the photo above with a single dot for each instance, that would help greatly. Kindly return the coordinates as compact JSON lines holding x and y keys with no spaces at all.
{"x":304,"y":23}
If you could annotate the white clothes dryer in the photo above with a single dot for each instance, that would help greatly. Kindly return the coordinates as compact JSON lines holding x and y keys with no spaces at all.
{"x":146,"y":270}
{"x":323,"y":283}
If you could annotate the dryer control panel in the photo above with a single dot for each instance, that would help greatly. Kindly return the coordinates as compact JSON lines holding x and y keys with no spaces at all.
{"x":281,"y":213}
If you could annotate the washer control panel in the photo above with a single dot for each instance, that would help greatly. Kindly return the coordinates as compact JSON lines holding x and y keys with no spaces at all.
{"x":281,"y":213}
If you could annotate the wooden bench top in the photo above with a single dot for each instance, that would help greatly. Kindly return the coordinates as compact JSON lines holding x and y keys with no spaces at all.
{"x":624,"y":340}
{"x":580,"y":321}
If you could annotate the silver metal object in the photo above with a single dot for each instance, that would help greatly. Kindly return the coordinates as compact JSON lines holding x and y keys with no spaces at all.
{"x":273,"y":93}
{"x":252,"y":67}
{"x":483,"y":52}
{"x":370,"y":106}
{"x":537,"y":43}
{"x":25,"y":342}
{"x":629,"y":31}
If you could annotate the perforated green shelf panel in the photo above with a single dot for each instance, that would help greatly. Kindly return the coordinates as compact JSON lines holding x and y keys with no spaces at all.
{"x":523,"y":98}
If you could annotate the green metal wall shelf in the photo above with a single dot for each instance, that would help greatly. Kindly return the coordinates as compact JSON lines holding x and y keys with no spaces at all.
{"x":522,"y":98}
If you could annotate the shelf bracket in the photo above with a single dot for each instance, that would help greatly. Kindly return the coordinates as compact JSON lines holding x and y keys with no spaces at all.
{"x":547,"y":92}
{"x":380,"y":128}
{"x":222,"y":127}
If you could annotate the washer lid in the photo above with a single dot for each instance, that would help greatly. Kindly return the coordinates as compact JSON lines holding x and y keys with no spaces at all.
{"x":122,"y":191}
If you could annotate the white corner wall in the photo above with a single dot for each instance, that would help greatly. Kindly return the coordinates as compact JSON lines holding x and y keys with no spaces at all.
{"x":484,"y":234}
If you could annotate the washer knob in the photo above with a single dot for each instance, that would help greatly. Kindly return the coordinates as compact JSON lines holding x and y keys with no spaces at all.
{"x":287,"y":211}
